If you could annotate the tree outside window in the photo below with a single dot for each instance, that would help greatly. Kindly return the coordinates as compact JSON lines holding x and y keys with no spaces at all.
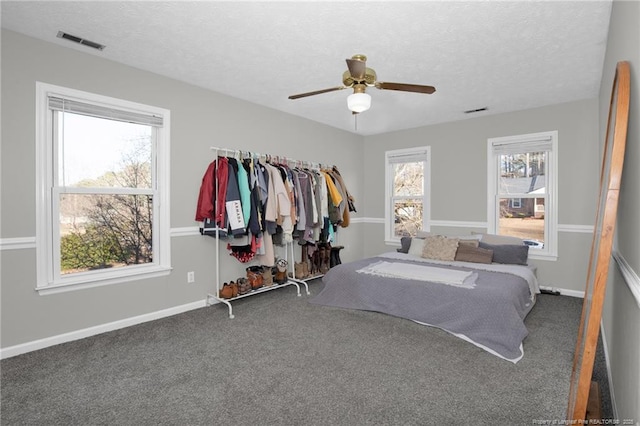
{"x":407,"y":192}
{"x":103,"y":189}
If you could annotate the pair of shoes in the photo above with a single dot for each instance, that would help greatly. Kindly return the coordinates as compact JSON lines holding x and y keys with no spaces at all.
{"x":281,"y":271}
{"x":325,"y":254}
{"x":301,"y":269}
{"x":244,"y":286}
{"x":267,"y":276}
{"x":254,"y":275}
{"x":315,"y":263}
{"x":229,"y":291}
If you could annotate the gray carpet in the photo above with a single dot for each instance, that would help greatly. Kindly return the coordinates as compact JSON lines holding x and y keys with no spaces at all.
{"x":283,"y":361}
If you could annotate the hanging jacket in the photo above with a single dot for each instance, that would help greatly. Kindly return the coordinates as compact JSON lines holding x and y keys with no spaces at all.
{"x":344,"y":211}
{"x":212,"y":195}
{"x":301,"y":214}
{"x":233,"y":204}
{"x":222,"y":178}
{"x":206,"y":197}
{"x":335,"y":200}
{"x":254,"y":199}
{"x":245,"y":192}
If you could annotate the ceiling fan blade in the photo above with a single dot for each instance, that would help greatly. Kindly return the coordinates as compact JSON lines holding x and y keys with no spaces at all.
{"x":317,"y":92}
{"x":357,"y":68}
{"x":418,"y":88}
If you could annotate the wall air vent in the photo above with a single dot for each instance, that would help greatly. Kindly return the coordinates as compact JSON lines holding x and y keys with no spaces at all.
{"x":80,"y":40}
{"x":471,"y":111}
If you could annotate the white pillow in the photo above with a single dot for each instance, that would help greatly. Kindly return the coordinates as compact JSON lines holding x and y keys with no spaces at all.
{"x":417,"y":245}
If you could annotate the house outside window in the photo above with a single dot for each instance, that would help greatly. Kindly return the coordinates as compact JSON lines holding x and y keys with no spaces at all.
{"x":407,"y":192}
{"x":522,"y":190}
{"x":103,"y":190}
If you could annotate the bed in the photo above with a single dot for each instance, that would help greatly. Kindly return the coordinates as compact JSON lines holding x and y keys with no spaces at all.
{"x":482,"y":303}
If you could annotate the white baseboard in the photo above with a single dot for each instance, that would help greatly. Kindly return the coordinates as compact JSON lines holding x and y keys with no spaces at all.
{"x":564,"y":291}
{"x":92,"y":331}
{"x":614,"y":407}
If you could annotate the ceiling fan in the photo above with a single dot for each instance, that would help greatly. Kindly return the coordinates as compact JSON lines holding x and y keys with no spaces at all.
{"x":359,"y":77}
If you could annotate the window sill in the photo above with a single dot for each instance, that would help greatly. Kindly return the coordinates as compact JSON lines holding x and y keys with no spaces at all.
{"x":85,"y":282}
{"x":547,"y":257}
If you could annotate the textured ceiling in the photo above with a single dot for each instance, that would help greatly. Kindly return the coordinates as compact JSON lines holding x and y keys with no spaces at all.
{"x":502,"y":55}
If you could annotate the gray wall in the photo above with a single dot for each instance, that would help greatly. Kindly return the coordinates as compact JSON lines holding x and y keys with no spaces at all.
{"x":459,"y":178}
{"x":621,"y":316}
{"x":199,"y":119}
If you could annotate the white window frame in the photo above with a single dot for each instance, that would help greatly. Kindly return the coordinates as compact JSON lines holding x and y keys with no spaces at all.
{"x":527,"y":143}
{"x":516,"y":205}
{"x":49,"y":279}
{"x":409,"y":155}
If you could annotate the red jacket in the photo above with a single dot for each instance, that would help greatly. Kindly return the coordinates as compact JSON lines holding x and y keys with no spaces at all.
{"x":211,"y":205}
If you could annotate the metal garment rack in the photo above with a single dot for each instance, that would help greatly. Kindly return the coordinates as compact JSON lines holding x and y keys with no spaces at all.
{"x":289,"y":248}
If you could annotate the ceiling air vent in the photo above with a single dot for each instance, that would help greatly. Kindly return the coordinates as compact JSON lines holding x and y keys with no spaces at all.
{"x":80,"y":40}
{"x":471,"y":111}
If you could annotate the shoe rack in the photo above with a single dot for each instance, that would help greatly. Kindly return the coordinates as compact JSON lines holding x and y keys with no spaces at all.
{"x":214,"y":298}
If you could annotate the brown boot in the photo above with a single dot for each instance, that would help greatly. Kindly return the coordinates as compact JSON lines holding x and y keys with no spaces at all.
{"x":325,"y":264}
{"x":267,"y":276}
{"x":243,"y":286}
{"x":226,"y":292}
{"x":298,"y":270}
{"x":234,"y":288}
{"x":281,"y":271}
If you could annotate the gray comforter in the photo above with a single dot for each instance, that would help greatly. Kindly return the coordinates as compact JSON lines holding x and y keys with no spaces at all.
{"x":490,"y":315}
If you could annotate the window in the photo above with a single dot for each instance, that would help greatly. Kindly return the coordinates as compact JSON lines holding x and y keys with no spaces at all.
{"x":103,"y":188}
{"x":522,"y":191}
{"x":406,"y":192}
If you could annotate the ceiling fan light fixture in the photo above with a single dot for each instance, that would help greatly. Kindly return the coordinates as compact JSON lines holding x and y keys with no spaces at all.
{"x":359,"y":102}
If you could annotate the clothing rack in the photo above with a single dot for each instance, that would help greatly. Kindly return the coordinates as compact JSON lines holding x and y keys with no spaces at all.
{"x":291,"y":280}
{"x":237,"y":153}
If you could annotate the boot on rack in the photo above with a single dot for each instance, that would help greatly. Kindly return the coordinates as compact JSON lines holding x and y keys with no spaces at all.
{"x":267,"y":276}
{"x":281,"y":271}
{"x":243,"y":286}
{"x":332,"y":259}
{"x":300,"y":269}
{"x":226,"y":292}
{"x":254,"y":276}
{"x":313,"y":262}
{"x":325,"y":263}
{"x":335,"y":256}
{"x":307,"y":268}
{"x":317,"y":260}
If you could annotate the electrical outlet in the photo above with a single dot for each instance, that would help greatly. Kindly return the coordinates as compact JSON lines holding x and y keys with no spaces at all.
{"x":191,"y":277}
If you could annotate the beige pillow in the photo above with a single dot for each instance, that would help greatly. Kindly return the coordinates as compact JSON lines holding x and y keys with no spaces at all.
{"x":467,"y":253}
{"x":471,"y":243}
{"x":438,"y":247}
